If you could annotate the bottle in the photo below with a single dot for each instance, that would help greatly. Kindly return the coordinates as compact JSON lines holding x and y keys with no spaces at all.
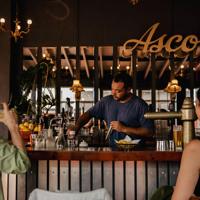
{"x":55,"y":123}
{"x":60,"y":141}
{"x":50,"y":142}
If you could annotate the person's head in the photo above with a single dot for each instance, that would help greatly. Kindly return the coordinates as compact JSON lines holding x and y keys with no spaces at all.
{"x":121,"y":86}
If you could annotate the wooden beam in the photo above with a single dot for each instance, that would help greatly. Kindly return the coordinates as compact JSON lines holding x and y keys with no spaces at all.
{"x":58,"y":73}
{"x":164,"y":68}
{"x":134,"y":71}
{"x":153,"y":80}
{"x":63,"y":50}
{"x":147,"y":70}
{"x":96,"y":74}
{"x":101,"y":61}
{"x":85,"y":62}
{"x":32,"y":56}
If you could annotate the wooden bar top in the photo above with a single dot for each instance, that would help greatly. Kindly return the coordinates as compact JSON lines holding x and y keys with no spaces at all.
{"x":103,"y":154}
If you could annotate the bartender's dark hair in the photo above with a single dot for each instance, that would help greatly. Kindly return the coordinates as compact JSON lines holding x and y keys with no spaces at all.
{"x":123,"y":77}
{"x":198,"y":94}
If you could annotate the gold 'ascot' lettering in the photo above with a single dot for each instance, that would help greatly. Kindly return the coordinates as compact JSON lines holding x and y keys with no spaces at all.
{"x":154,"y":46}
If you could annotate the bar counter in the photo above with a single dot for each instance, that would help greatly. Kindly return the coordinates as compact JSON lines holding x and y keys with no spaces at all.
{"x":103,"y":154}
{"x":127,"y":175}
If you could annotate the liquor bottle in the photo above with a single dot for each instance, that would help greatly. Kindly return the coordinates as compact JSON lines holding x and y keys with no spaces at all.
{"x":50,"y":142}
{"x":60,"y":140}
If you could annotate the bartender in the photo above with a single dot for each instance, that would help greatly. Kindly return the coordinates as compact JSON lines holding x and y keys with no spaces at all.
{"x":122,"y":111}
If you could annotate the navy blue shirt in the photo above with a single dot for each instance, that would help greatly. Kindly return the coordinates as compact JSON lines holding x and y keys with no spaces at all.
{"x":131,"y":114}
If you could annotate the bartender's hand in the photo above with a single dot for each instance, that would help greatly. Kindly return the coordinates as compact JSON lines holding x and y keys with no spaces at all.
{"x":118,"y":126}
{"x":71,"y":131}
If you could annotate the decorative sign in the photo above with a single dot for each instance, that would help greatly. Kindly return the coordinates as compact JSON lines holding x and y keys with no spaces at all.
{"x":173,"y":44}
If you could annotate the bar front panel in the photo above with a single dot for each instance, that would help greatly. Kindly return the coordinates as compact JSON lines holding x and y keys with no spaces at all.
{"x":124,"y":180}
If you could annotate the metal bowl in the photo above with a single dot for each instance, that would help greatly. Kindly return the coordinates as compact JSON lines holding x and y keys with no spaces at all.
{"x":125,"y":147}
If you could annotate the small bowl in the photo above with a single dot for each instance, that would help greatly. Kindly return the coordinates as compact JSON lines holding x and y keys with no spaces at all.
{"x":125,"y":145}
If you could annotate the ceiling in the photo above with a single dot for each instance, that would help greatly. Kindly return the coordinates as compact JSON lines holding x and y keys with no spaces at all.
{"x":106,"y":60}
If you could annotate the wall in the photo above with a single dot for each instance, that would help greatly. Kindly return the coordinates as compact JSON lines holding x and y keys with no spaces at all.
{"x":106,"y":22}
{"x":4,"y":57}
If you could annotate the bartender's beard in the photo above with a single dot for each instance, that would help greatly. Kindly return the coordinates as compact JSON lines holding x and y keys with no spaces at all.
{"x":124,"y":98}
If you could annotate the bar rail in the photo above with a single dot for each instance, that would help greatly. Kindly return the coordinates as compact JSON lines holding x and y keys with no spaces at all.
{"x":103,"y":154}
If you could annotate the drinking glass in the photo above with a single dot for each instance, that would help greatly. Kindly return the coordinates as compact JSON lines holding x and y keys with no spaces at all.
{"x":178,"y":137}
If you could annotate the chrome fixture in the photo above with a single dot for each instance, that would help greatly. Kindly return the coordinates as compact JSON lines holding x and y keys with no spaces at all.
{"x":187,"y":115}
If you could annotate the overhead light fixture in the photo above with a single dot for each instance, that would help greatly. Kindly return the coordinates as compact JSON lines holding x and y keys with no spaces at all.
{"x":134,"y":2}
{"x":77,"y":88}
{"x":182,"y":71}
{"x":173,"y":87}
{"x":17,"y":33}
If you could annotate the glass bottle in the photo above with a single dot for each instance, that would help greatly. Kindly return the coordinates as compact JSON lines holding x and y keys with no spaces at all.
{"x":50,"y":142}
{"x":60,"y":141}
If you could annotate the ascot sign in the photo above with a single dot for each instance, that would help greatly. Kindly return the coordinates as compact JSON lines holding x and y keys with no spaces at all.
{"x":173,"y":44}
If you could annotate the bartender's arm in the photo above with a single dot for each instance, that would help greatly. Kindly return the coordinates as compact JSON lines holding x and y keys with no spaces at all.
{"x":141,"y":132}
{"x":82,"y":120}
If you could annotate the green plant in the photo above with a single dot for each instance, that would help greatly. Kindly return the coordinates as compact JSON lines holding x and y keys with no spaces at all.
{"x":26,"y":103}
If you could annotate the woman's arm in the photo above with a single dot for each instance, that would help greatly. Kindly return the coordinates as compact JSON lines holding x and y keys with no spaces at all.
{"x":9,"y":119}
{"x":189,"y":172}
{"x":13,"y":158}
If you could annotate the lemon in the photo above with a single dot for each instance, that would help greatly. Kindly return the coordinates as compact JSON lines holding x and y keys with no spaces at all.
{"x":26,"y":124}
{"x":31,"y":126}
{"x":36,"y":129}
{"x":21,"y":126}
{"x":25,"y":129}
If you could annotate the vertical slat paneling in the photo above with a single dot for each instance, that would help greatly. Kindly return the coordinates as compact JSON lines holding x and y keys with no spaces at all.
{"x":64,"y":176}
{"x":42,"y":174}
{"x":21,"y":187}
{"x":108,"y":183}
{"x":119,"y":180}
{"x":97,"y":175}
{"x":85,"y":176}
{"x":31,"y":178}
{"x":4,"y":178}
{"x":75,"y":175}
{"x":151,"y":176}
{"x":53,"y":175}
{"x":173,"y":172}
{"x":12,"y":187}
{"x":130,"y":180}
{"x":162,"y":174}
{"x":141,"y":190}
{"x":70,"y":170}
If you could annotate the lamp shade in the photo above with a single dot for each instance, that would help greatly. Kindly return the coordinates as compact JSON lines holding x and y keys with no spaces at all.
{"x":173,"y":87}
{"x":77,"y":88}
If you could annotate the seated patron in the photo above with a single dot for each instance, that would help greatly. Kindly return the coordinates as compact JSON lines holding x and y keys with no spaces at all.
{"x":13,"y":157}
{"x":190,"y":166}
{"x":188,"y":174}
